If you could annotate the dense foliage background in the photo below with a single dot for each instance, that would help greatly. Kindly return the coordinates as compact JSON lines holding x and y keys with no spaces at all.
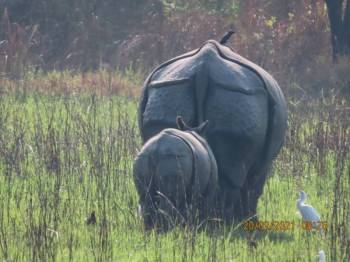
{"x":291,"y":39}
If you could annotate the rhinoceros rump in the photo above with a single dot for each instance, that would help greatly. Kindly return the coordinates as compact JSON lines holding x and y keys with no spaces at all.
{"x":244,"y":105}
{"x":175,"y":172}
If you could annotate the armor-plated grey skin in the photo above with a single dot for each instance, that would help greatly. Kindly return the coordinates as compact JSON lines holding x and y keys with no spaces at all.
{"x":175,"y":174}
{"x":246,"y":109}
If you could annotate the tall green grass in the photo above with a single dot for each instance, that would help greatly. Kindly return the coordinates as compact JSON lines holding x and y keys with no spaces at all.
{"x":65,"y":155}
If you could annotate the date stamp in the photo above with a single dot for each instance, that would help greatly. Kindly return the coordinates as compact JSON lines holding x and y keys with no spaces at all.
{"x":282,"y":226}
{"x":319,"y":226}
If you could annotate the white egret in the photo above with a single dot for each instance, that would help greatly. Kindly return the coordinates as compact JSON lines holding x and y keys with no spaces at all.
{"x":308,"y":212}
{"x":321,"y":256}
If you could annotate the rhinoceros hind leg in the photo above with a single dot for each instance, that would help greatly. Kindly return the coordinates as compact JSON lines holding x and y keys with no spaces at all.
{"x":227,"y":200}
{"x":147,"y":210}
{"x":251,"y":192}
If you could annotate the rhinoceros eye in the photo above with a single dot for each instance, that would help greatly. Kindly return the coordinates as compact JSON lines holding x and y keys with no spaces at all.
{"x":164,"y":83}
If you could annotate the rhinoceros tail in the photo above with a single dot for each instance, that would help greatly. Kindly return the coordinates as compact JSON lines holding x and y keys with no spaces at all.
{"x":201,"y":90}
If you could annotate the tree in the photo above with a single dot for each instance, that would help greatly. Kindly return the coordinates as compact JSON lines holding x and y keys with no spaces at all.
{"x":339,"y":18}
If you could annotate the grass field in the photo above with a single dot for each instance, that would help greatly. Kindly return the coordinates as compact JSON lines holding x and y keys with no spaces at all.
{"x":64,"y":155}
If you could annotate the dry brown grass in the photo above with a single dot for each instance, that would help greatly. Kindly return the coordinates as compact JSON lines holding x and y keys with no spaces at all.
{"x":102,"y":82}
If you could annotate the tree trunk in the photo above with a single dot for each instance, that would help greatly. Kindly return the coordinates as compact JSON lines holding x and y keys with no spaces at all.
{"x":339,"y":20}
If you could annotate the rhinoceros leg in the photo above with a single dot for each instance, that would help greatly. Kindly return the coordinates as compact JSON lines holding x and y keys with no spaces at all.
{"x":144,"y":181}
{"x":227,"y":199}
{"x":246,"y":207}
{"x":172,"y":182}
{"x":237,"y":203}
{"x":250,"y":193}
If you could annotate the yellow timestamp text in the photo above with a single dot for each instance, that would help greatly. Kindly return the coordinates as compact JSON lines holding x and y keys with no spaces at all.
{"x":281,"y":226}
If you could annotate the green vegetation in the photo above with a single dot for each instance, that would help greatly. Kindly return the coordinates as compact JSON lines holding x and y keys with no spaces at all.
{"x":64,"y":155}
{"x":70,"y":74}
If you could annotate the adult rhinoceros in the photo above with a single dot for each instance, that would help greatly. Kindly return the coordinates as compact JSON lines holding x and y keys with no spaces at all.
{"x":246,"y":109}
{"x":174,"y":174}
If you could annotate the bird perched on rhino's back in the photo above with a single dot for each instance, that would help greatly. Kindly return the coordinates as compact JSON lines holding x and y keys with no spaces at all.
{"x":246,"y":109}
{"x":226,"y":37}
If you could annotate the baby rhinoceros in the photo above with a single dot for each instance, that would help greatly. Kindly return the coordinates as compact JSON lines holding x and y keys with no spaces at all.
{"x":175,"y":174}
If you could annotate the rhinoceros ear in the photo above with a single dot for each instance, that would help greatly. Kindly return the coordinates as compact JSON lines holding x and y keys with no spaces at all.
{"x":181,"y":124}
{"x":202,"y":128}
